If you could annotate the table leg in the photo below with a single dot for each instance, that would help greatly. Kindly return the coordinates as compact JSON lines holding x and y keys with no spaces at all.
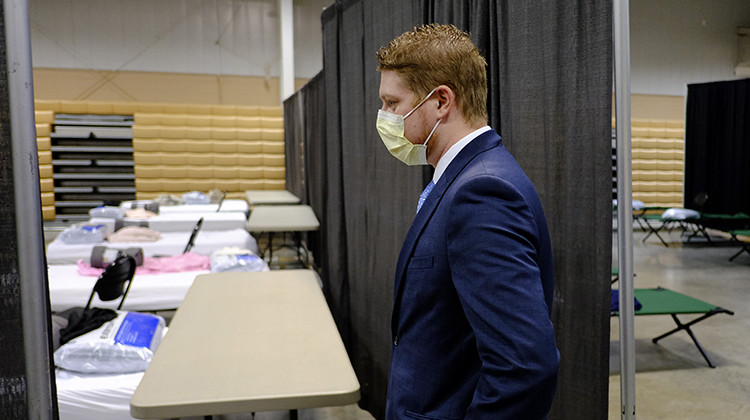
{"x":270,"y":248}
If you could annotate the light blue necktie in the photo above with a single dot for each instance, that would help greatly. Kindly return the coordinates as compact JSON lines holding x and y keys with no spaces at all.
{"x":425,"y":193}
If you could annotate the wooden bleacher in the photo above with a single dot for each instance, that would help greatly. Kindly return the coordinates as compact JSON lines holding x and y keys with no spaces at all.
{"x":658,"y":161}
{"x":183,"y":147}
{"x":44,"y":120}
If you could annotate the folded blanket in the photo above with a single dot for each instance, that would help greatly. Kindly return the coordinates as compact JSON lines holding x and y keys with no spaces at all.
{"x":134,"y":234}
{"x":615,"y":302}
{"x":139,"y":214}
{"x":158,"y":265}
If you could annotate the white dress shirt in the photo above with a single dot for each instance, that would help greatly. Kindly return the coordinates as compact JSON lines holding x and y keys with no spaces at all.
{"x":453,"y":152}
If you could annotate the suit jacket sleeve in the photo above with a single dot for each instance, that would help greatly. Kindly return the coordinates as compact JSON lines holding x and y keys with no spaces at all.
{"x":492,"y":251}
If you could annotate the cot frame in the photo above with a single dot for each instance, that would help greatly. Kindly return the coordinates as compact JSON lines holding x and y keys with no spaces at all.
{"x":695,"y":306}
{"x":744,"y":246}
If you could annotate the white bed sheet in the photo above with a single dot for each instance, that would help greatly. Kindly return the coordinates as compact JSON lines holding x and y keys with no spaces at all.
{"x":86,"y":396}
{"x":182,"y":222}
{"x":171,"y":243}
{"x":149,"y":292}
{"x":231,"y":205}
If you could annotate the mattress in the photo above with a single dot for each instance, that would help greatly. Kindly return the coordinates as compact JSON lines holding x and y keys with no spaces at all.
{"x":86,"y":396}
{"x":181,"y":222}
{"x":171,"y":243}
{"x":148,"y":292}
{"x":232,"y":205}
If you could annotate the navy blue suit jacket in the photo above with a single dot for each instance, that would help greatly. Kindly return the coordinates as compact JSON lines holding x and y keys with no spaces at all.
{"x":473,"y":292}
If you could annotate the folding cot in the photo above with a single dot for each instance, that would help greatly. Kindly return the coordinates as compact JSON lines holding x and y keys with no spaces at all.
{"x":667,"y":218}
{"x":150,"y":292}
{"x":83,"y":396}
{"x":661,"y":301}
{"x":171,"y":243}
{"x":721,"y":222}
{"x":229,"y":205}
{"x":94,"y":396}
{"x":698,"y":221}
{"x":735,"y":225}
{"x":177,"y":222}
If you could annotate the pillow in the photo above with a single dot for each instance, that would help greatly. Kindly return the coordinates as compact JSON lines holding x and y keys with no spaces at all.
{"x":680,"y":214}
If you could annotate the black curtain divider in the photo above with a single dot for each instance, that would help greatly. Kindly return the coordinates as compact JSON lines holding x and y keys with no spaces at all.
{"x":27,"y":372}
{"x":717,"y":147}
{"x":13,"y":390}
{"x":555,"y":86}
{"x":370,"y":194}
{"x":550,"y":85}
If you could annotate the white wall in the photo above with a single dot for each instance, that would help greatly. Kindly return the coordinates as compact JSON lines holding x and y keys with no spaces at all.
{"x":677,"y":42}
{"x":227,"y":37}
{"x":673,"y":42}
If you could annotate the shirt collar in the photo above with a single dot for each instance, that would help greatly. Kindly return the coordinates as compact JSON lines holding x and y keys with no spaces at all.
{"x":453,"y":152}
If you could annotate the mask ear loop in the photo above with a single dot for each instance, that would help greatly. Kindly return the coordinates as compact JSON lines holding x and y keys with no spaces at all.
{"x":420,"y":104}
{"x":430,"y":135}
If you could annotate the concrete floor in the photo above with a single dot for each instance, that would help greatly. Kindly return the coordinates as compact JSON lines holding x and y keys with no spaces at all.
{"x":672,"y":379}
{"x":349,"y":412}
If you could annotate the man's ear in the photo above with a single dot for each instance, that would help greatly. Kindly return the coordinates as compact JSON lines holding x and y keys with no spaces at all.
{"x":446,"y":100}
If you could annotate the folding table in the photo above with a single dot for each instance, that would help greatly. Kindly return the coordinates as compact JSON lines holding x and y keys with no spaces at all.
{"x":248,"y":342}
{"x":270,"y":197}
{"x":283,"y":218}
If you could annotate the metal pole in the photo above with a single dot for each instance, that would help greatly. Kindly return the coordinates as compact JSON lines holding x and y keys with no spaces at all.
{"x":31,"y":262}
{"x":624,"y":207}
{"x":286,"y":19}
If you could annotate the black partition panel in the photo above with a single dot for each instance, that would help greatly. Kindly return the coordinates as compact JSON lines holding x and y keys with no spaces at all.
{"x":717,"y":147}
{"x":13,"y":365}
{"x":27,"y":385}
{"x":550,"y":82}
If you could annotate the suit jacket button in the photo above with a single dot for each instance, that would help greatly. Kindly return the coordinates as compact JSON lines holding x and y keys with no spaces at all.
{"x":395,"y":340}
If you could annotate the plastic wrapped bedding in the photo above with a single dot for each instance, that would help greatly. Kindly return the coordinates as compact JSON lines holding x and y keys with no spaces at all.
{"x":125,"y":344}
{"x":97,"y":396}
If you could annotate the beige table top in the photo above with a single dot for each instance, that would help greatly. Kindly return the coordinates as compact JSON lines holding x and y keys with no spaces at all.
{"x":261,"y":197}
{"x":246,"y":342}
{"x":282,"y":218}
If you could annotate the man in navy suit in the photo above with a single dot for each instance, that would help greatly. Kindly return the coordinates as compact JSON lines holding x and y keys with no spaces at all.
{"x":472,"y":336}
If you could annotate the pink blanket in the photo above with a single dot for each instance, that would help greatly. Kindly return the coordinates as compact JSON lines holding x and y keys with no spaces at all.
{"x":157,"y":265}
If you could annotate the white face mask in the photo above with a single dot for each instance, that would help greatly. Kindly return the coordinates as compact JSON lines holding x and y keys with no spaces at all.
{"x":391,"y":129}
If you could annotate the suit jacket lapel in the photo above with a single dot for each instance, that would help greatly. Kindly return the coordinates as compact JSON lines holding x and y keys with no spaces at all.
{"x":485,"y":141}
